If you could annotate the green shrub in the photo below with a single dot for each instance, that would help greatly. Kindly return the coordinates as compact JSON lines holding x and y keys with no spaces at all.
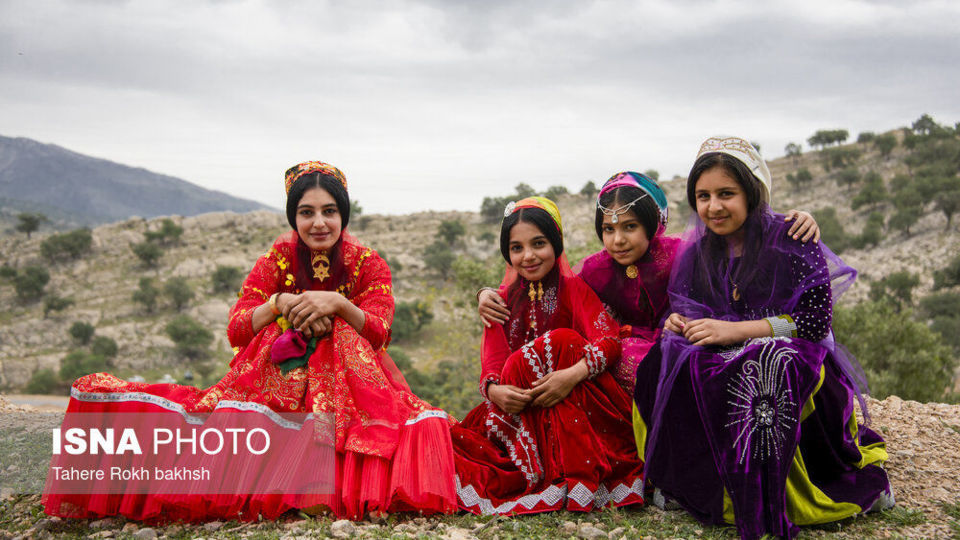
{"x":872,"y":232}
{"x":81,"y":332}
{"x":941,"y":304}
{"x":191,"y":338}
{"x":178,"y":291}
{"x":908,"y":202}
{"x":553,"y":192}
{"x":439,"y":257}
{"x":76,"y":364}
{"x":169,"y":233}
{"x":848,"y":176}
{"x":148,"y":253}
{"x":523,"y":190}
{"x":492,"y":208}
{"x":831,"y":230}
{"x":7,"y":272}
{"x":589,"y":189}
{"x":655,"y":175}
{"x":29,"y":223}
{"x":872,"y":193}
{"x":866,"y":137}
{"x":948,"y":276}
{"x":30,"y":282}
{"x":949,"y":330}
{"x":836,"y":158}
{"x":105,"y":347}
{"x":899,"y":355}
{"x":355,"y":209}
{"x":885,"y":143}
{"x":896,"y":288}
{"x":450,"y":230}
{"x":409,"y":318}
{"x":801,"y":178}
{"x":146,"y":294}
{"x":471,"y":274}
{"x":54,"y":302}
{"x":226,"y":279}
{"x":43,"y":381}
{"x":67,"y":246}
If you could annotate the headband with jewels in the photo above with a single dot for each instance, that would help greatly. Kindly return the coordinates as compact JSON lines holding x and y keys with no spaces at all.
{"x":744,"y":152}
{"x":542,"y":203}
{"x":308,"y":167}
{"x":646,"y":184}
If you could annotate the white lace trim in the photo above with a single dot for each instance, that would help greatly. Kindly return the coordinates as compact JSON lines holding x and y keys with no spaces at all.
{"x":426,"y":414}
{"x":190,"y":418}
{"x":551,"y":496}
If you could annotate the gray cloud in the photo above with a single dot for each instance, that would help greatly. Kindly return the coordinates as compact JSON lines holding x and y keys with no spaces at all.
{"x":435,"y":104}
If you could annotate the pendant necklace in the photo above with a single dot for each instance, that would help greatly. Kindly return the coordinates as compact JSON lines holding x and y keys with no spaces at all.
{"x":632,"y":272}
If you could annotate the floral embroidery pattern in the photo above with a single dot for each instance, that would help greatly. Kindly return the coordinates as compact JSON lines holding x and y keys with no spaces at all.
{"x":759,"y":399}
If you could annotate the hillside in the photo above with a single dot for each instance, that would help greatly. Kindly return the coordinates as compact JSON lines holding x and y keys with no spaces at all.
{"x":102,"y":281}
{"x":82,"y":190}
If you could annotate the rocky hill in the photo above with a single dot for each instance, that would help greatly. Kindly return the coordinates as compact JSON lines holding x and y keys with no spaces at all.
{"x":102,"y":281}
{"x":82,"y":190}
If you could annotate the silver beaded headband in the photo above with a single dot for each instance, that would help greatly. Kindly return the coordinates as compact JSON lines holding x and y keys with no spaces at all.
{"x":620,"y":210}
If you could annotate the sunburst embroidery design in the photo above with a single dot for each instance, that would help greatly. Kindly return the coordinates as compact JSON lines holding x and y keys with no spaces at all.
{"x":760,"y":402}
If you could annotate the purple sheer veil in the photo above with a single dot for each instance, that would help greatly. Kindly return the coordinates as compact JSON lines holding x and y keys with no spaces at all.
{"x":775,"y":275}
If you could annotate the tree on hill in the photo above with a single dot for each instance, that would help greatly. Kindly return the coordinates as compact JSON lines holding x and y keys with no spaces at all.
{"x":801,"y":178}
{"x":409,"y":318}
{"x":148,"y":252}
{"x":450,"y":230}
{"x":872,"y":232}
{"x":82,"y":332}
{"x":226,"y":279}
{"x":169,"y":233}
{"x":553,"y":192}
{"x":896,"y":288}
{"x":178,"y":291}
{"x":30,"y":282}
{"x":355,"y":209}
{"x":589,"y":189}
{"x":866,"y":137}
{"x":885,"y":143}
{"x":948,"y":276}
{"x":29,"y":223}
{"x":831,"y":230}
{"x":899,"y":355}
{"x":146,"y":294}
{"x":825,"y":137}
{"x":872,"y":193}
{"x":848,"y":176}
{"x":104,"y":346}
{"x":67,"y":246}
{"x":191,"y":338}
{"x":793,"y":150}
{"x":925,"y":125}
{"x":908,"y":204}
{"x":524,"y":190}
{"x":655,"y":175}
{"x":439,"y":257}
{"x":54,"y":302}
{"x":947,"y":197}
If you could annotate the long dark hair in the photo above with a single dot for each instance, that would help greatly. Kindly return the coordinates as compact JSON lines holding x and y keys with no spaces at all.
{"x":304,"y":275}
{"x":716,"y":265}
{"x":645,"y":210}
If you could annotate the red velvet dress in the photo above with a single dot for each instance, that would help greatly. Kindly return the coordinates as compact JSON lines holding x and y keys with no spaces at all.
{"x":578,"y":454}
{"x":392,"y":449}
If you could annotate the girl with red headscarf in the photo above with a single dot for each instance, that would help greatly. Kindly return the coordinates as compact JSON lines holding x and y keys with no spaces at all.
{"x":555,"y":431}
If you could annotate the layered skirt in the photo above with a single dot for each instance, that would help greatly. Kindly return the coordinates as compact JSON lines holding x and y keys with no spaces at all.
{"x":347,"y":438}
{"x":763,"y":435}
{"x":576,"y":455}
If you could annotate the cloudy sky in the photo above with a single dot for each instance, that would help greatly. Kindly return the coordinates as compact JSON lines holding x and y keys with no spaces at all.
{"x":434,"y":104}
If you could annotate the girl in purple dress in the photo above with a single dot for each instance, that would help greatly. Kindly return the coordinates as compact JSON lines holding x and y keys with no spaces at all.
{"x":746,"y":410}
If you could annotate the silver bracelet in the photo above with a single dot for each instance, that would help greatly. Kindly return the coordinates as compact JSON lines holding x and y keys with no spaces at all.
{"x":782,"y":326}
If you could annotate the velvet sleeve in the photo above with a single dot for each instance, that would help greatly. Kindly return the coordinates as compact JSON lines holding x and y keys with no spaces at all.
{"x":494,"y":351}
{"x":373,"y":294}
{"x":813,"y":312}
{"x":593,"y":322}
{"x":261,"y":282}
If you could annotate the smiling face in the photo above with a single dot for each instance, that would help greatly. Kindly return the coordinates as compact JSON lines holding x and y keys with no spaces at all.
{"x":318,"y":219}
{"x":721,"y":202}
{"x":531,"y":253}
{"x":626,"y":240}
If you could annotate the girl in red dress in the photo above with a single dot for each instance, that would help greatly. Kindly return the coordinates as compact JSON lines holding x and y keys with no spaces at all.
{"x":555,"y":429}
{"x":311,"y":329}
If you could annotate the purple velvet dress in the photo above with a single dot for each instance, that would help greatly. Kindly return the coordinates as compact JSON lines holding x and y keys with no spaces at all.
{"x":640,"y":302}
{"x":762,"y":433}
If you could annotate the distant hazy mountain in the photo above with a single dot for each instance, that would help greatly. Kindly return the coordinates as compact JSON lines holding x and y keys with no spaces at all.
{"x":72,"y":187}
